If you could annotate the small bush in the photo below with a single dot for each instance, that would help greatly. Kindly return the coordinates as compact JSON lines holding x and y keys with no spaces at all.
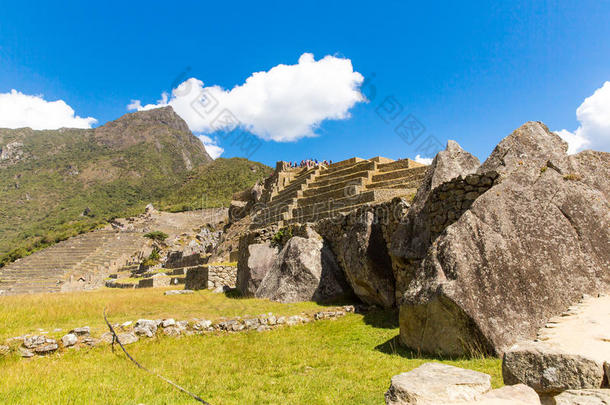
{"x":572,"y":177}
{"x":156,"y":235}
{"x":281,"y":237}
{"x":153,"y":258}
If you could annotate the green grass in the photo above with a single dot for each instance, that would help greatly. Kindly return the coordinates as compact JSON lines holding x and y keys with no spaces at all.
{"x":345,"y":361}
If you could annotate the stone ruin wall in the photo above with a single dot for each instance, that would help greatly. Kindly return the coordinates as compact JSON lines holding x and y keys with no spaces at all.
{"x":450,"y":200}
{"x":219,"y":276}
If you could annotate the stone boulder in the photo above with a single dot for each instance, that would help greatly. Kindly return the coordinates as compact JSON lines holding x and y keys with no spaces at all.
{"x":436,"y":383}
{"x":304,"y":270}
{"x":519,"y":394}
{"x":69,"y":340}
{"x":582,"y":397}
{"x":441,"y":384}
{"x":523,"y":250}
{"x":255,"y":260}
{"x":548,"y":370}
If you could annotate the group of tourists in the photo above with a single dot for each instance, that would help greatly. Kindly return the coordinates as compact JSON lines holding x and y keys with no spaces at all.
{"x":311,"y":163}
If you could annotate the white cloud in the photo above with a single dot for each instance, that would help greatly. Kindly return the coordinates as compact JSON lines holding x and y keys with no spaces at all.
{"x":18,"y":110}
{"x":423,"y":160}
{"x":211,"y":146}
{"x":286,"y":103}
{"x":594,"y":117}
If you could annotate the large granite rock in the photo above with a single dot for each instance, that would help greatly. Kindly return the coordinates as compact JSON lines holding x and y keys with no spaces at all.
{"x":304,"y":270}
{"x":413,"y":236}
{"x":254,"y":262}
{"x":436,"y":383}
{"x":548,"y":370}
{"x":361,"y":250}
{"x":522,"y":249}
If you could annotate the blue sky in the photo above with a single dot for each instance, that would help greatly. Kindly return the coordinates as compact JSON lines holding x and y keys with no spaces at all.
{"x":472,"y":72}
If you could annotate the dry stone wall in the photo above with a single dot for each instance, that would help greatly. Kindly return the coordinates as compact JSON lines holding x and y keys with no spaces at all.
{"x":221,"y":276}
{"x":450,"y":200}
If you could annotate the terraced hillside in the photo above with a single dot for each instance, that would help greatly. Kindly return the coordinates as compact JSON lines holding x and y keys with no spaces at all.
{"x":81,"y":262}
{"x":85,"y":261}
{"x":310,"y":194}
{"x":58,"y":183}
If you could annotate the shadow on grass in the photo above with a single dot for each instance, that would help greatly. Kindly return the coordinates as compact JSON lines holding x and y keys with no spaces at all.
{"x":233,"y":293}
{"x":393,"y":347}
{"x":382,"y":318}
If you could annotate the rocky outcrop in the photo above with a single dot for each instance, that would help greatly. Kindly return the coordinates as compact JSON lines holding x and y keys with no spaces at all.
{"x":151,"y":126}
{"x":358,"y":242}
{"x":305,"y":270}
{"x":11,"y":153}
{"x":414,"y":235}
{"x":255,"y":260}
{"x":524,"y":249}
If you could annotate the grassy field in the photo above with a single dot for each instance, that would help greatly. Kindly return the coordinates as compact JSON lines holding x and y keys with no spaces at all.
{"x":345,"y":361}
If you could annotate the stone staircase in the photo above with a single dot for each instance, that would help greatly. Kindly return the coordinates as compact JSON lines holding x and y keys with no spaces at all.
{"x":311,"y":194}
{"x":78,"y":263}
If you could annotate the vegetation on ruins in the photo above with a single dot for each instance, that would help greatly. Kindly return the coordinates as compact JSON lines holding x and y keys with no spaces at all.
{"x":153,"y":258}
{"x":281,"y":237}
{"x":156,"y":235}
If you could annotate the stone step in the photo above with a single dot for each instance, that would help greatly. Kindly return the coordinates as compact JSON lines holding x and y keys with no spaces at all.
{"x":280,"y":199}
{"x":313,"y":191}
{"x":398,"y":164}
{"x":32,"y":291}
{"x":326,"y":205}
{"x":344,"y":163}
{"x":358,"y":167}
{"x":274,"y":210}
{"x":347,"y":191}
{"x":79,"y":256}
{"x":394,"y":183}
{"x":298,"y":182}
{"x":400,"y":173}
{"x":334,"y":180}
{"x":326,"y":214}
{"x":343,"y":209}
